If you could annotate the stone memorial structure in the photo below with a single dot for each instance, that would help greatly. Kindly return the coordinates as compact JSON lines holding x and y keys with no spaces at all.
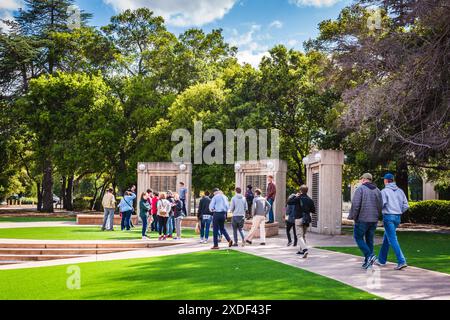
{"x":324,"y":180}
{"x":255,"y":173}
{"x":163,"y":176}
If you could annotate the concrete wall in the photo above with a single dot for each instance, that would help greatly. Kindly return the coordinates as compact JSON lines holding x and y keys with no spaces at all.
{"x":328,"y":163}
{"x":275,"y":167}
{"x":165,"y":169}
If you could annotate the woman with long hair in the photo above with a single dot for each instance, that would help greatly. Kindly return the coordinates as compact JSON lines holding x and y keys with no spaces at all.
{"x":164,"y":207}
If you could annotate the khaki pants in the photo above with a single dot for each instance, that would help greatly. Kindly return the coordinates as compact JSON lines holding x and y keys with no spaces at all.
{"x":301,"y":233}
{"x":258,"y":221}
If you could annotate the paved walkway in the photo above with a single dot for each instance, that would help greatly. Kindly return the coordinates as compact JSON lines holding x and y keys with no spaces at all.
{"x":7,"y":225}
{"x":410,"y":283}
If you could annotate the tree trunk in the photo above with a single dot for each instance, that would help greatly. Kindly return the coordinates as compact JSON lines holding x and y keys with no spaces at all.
{"x":401,"y":176}
{"x":63,"y":192}
{"x":39,"y":196}
{"x":47,"y":187}
{"x":69,"y":194}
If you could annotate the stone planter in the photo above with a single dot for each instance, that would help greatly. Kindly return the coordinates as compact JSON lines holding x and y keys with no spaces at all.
{"x":97,"y":219}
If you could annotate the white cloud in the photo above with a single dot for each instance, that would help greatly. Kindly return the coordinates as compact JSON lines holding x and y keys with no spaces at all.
{"x":180,"y":13}
{"x":250,"y":49}
{"x":314,"y":3}
{"x":276,"y":24}
{"x":292,"y":43}
{"x":6,"y":11}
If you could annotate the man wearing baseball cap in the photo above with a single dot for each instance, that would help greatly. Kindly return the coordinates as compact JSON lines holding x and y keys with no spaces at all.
{"x":395,"y":204}
{"x":366,"y":208}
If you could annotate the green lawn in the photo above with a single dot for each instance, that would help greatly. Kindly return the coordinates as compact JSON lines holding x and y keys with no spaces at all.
{"x":219,"y":275}
{"x":35,"y":219}
{"x":79,"y":233}
{"x":421,"y":249}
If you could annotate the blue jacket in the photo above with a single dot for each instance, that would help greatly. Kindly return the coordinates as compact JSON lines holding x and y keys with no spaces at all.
{"x":394,"y":200}
{"x":126,"y":204}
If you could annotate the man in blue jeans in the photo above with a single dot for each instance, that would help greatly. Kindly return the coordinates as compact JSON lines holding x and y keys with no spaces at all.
{"x":219,"y":206}
{"x":366,"y":208}
{"x":395,"y":204}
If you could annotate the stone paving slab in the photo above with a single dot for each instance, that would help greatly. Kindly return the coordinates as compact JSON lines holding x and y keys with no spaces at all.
{"x":408,"y":284}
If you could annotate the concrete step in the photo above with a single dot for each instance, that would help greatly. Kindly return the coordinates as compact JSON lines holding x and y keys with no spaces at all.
{"x":62,"y":251}
{"x":39,"y":257}
{"x":5,"y":262}
{"x":75,"y":245}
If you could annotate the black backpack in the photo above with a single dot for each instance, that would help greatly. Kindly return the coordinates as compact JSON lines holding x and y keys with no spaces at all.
{"x":306,"y":216}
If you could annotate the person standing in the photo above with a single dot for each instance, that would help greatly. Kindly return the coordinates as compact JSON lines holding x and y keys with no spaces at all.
{"x":260,"y":207}
{"x":249,"y":196}
{"x":205,"y":217}
{"x":178,"y":214}
{"x":150,"y":216}
{"x":238,"y":207}
{"x":127,"y":209}
{"x":303,"y":218}
{"x":109,"y":206}
{"x":270,"y":196}
{"x":164,"y":208}
{"x":154,"y":225}
{"x":133,"y":190}
{"x":365,"y":210}
{"x":395,"y":204}
{"x":170,"y":220}
{"x":291,"y":213}
{"x":183,"y":194}
{"x":219,"y":207}
{"x":144,"y":207}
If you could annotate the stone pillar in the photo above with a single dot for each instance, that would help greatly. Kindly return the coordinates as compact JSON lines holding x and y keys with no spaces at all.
{"x":324,"y":180}
{"x":161,"y":176}
{"x":428,"y":191}
{"x":256,"y":172}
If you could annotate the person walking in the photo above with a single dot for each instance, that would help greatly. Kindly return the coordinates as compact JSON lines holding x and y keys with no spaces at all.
{"x":303,"y":218}
{"x":260,"y":208}
{"x":249,"y":196}
{"x":164,"y":208}
{"x":205,"y":217}
{"x":109,"y":206}
{"x":238,"y":207}
{"x":127,"y":209}
{"x":291,"y":212}
{"x":154,"y":210}
{"x":178,"y":214}
{"x":144,"y":207}
{"x":270,"y":196}
{"x":183,"y":194}
{"x":219,"y":207}
{"x":395,"y":204}
{"x":366,"y":208}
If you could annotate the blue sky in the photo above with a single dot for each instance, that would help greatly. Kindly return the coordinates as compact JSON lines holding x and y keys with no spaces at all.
{"x":254,"y":26}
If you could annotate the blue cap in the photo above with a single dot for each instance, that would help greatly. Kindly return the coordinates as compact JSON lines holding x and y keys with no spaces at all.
{"x":389,"y":176}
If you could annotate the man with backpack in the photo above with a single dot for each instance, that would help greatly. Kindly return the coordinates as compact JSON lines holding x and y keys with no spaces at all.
{"x":303,"y":218}
{"x":291,"y":212}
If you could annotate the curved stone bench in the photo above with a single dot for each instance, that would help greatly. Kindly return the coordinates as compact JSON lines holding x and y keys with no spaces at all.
{"x":97,"y":219}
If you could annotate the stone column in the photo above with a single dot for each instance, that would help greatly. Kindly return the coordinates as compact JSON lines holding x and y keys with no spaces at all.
{"x":428,"y":191}
{"x":324,"y":180}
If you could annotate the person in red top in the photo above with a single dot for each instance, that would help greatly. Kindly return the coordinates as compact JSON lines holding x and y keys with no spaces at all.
{"x":154,"y":211}
{"x":270,"y":196}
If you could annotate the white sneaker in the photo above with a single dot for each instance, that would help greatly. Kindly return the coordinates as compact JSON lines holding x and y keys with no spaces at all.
{"x":145,"y":238}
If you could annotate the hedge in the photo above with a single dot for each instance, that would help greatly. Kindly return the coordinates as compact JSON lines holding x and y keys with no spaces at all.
{"x":435,"y":212}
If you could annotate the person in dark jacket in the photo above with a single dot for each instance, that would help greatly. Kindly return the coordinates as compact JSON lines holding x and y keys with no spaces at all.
{"x":291,"y":210}
{"x":178,"y":214}
{"x":144,"y":207}
{"x":249,"y":196}
{"x":205,"y":217}
{"x":305,"y":207}
{"x":366,"y":208}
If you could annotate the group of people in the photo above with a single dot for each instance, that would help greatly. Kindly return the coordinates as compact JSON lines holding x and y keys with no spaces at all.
{"x":368,"y":204}
{"x":213,"y":209}
{"x":159,"y":212}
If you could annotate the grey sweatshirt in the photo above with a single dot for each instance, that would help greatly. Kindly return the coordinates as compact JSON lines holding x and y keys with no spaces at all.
{"x":366,"y":204}
{"x":238,"y":205}
{"x":394,"y":200}
{"x":260,"y":206}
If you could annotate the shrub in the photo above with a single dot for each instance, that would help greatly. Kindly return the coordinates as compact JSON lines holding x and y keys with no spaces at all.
{"x":428,"y":212}
{"x":81,"y":204}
